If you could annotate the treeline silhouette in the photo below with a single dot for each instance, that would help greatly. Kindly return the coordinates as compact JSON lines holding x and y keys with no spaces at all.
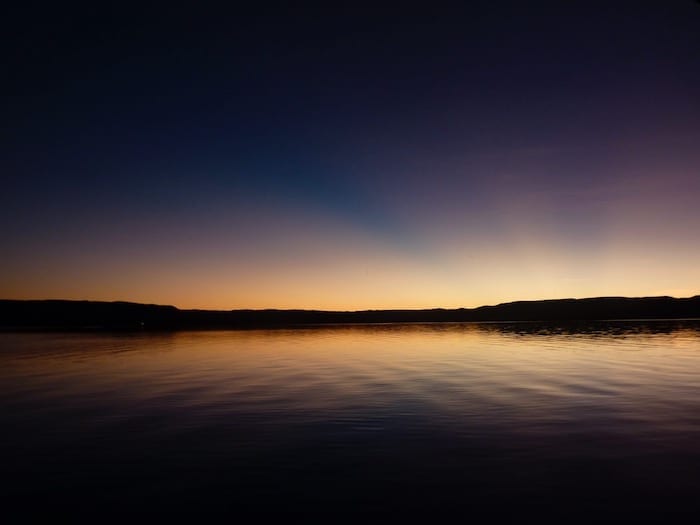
{"x":59,"y":314}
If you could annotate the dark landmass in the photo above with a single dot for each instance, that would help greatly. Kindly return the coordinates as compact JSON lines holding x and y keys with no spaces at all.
{"x":79,"y":315}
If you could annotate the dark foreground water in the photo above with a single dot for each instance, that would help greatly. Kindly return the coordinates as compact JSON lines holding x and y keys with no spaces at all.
{"x":446,"y":422}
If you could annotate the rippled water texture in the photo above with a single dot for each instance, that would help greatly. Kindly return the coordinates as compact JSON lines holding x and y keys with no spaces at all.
{"x":524,"y":422}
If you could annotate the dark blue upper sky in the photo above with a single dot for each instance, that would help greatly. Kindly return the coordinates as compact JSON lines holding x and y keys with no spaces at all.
{"x":524,"y":132}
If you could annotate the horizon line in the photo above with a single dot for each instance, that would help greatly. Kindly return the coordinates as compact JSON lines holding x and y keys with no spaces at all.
{"x":356,"y":311}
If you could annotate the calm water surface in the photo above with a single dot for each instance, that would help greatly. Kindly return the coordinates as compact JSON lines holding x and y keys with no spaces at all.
{"x":520,"y":422}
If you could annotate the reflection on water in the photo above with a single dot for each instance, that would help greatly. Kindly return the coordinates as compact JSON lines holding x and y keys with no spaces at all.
{"x":520,"y":421}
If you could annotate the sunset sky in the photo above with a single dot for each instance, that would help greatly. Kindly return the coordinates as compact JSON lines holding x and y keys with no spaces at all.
{"x":343,"y":157}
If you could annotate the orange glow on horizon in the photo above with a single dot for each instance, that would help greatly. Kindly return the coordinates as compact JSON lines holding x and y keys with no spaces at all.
{"x":295,"y":259}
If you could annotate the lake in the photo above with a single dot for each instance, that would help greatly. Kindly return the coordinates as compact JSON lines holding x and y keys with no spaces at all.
{"x":521,"y":422}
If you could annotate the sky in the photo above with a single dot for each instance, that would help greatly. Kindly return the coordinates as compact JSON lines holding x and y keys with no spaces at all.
{"x":334,"y":156}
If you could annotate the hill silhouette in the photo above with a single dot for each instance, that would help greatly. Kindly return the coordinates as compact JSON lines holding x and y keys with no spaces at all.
{"x":60,"y":314}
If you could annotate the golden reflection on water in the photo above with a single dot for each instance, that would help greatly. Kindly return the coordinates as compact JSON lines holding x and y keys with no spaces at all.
{"x":393,"y":418}
{"x":452,"y":371}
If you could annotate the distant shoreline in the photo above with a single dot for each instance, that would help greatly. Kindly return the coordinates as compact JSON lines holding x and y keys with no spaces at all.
{"x":62,"y":315}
